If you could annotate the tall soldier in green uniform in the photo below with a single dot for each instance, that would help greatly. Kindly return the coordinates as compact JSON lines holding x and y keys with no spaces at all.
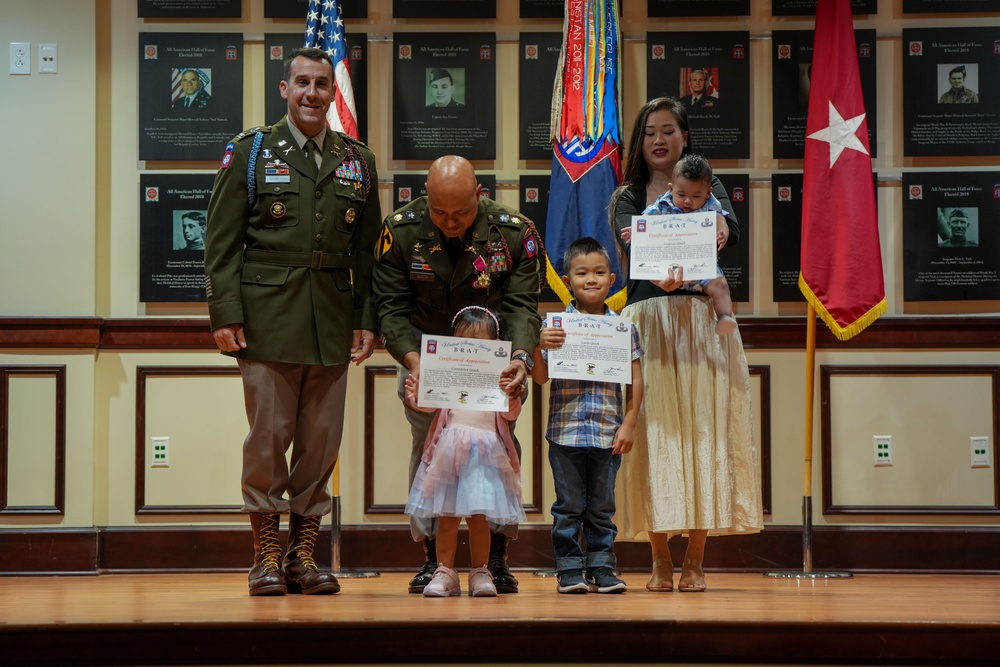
{"x":436,"y":255}
{"x":292,"y":221}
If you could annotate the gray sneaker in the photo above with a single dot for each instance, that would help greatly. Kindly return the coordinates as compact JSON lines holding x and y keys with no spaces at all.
{"x":572,"y":581}
{"x":603,"y":580}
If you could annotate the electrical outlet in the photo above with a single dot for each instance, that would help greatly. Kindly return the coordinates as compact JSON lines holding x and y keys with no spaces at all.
{"x":980,"y":446}
{"x":20,"y":57}
{"x":47,"y":58}
{"x":883,"y":450}
{"x":160,"y":458}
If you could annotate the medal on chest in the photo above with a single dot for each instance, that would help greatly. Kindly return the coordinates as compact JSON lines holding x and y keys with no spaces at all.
{"x":482,"y":279}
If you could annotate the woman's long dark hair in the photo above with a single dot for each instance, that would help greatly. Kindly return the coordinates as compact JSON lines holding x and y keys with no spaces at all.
{"x":635,"y":174}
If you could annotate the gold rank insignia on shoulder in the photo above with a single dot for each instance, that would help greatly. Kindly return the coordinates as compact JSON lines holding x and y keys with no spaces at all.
{"x":350,"y":215}
{"x":397,"y":217}
{"x":516,"y":220}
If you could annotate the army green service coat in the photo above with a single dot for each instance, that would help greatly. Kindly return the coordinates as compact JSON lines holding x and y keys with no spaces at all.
{"x":416,"y":284}
{"x":293,"y":266}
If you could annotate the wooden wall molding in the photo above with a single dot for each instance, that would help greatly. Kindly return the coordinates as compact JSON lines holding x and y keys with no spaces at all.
{"x":58,"y":506}
{"x":763,"y":373}
{"x":943,"y":550}
{"x":143,"y":373}
{"x":828,"y":372}
{"x":758,"y":333}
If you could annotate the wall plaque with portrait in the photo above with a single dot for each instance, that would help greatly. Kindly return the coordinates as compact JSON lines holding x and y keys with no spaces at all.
{"x":297,"y":9}
{"x":949,"y":6}
{"x":539,"y":61}
{"x":533,"y":202}
{"x":172,"y":220}
{"x":950,"y":106}
{"x":951,"y":236}
{"x":698,"y":7}
{"x":735,"y":260}
{"x":808,"y":7}
{"x":786,"y":237}
{"x":190,"y":94}
{"x":444,"y":95}
{"x":278,"y":45}
{"x":791,"y":67}
{"x":709,"y":72}
{"x":192,"y":9}
{"x":444,"y":9}
{"x":542,"y":9}
{"x":407,"y":187}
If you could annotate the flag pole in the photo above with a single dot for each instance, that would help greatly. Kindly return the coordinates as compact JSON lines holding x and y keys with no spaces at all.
{"x":335,"y":535}
{"x":807,"y":543}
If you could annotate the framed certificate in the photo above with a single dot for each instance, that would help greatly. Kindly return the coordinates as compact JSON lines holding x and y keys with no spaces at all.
{"x":462,"y":373}
{"x":598,"y":348}
{"x":662,"y":243}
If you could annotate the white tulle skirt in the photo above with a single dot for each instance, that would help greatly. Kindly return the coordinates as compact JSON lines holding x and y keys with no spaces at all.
{"x":469,"y":473}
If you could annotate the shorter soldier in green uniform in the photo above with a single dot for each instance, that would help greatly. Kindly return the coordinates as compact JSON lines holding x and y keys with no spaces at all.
{"x":436,"y":255}
{"x":958,"y":94}
{"x":292,"y":220}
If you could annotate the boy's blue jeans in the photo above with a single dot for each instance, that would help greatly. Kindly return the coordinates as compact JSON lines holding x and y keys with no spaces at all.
{"x":585,"y":499}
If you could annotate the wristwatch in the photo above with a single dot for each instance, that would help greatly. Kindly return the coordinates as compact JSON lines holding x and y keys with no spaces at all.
{"x":526,"y":358}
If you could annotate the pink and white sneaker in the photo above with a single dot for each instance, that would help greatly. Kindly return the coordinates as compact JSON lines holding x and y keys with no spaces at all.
{"x":443,"y":584}
{"x":481,"y":583}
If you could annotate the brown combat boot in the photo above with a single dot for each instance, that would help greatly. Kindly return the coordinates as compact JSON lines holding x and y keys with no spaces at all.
{"x":299,"y":567}
{"x":265,"y":575}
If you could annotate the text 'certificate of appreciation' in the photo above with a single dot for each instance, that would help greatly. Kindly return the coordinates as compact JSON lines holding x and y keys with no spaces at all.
{"x":462,"y":373}
{"x":661,"y":243}
{"x":598,"y":348}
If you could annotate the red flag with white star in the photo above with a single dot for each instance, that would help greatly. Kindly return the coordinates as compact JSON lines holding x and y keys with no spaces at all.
{"x":841,"y":274}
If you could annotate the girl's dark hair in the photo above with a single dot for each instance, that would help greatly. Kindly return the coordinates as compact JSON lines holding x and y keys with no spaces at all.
{"x":478,"y":316}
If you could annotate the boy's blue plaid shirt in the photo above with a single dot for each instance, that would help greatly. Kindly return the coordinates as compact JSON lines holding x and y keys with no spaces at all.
{"x":586,"y":414}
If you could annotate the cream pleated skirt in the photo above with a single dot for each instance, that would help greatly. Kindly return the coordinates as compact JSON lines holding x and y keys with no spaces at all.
{"x":695,"y":463}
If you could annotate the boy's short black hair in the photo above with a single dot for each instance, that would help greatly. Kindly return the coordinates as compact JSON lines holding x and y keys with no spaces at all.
{"x":693,"y":168}
{"x":583,"y":246}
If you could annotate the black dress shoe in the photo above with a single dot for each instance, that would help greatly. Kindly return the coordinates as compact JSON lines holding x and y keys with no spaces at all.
{"x":426,"y":573}
{"x":497,"y":564}
{"x":423,"y":577}
{"x":502,"y":578}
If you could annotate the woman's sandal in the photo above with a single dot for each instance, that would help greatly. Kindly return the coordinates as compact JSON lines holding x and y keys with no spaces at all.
{"x":662,"y":580}
{"x":692,"y":577}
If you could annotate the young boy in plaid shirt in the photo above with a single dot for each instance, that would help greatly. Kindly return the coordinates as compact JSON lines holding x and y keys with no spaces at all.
{"x":588,"y":431}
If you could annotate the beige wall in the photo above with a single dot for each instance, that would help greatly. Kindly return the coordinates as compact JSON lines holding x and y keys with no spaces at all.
{"x":70,"y":248}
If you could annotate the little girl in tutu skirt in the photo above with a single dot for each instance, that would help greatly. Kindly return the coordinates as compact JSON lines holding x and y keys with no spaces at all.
{"x":469,"y":470}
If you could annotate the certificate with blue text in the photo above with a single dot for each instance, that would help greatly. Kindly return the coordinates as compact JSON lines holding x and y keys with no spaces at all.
{"x":462,"y":373}
{"x":598,"y":348}
{"x":663,"y":243}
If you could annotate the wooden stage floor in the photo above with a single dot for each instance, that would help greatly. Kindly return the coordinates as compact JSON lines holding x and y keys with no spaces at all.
{"x":208,"y":619}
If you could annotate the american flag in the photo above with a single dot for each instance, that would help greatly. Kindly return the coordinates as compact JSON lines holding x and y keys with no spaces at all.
{"x":325,"y":30}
